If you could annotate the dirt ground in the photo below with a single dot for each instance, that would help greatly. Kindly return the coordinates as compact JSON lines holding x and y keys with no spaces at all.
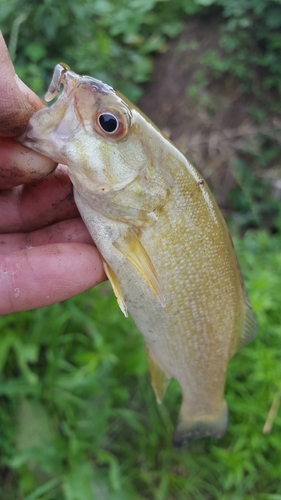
{"x":209,"y":123}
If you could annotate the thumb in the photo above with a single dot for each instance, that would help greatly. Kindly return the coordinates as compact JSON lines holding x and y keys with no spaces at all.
{"x":17,"y":101}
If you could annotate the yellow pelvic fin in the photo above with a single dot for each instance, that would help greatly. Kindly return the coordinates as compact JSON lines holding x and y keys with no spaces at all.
{"x":159,"y":378}
{"x":115,"y":287}
{"x":131,"y":247}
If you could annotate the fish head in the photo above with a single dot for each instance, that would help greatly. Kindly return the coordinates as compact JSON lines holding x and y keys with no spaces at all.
{"x":92,"y":129}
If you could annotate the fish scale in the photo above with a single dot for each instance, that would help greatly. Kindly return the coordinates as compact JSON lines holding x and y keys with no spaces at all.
{"x":163,"y":241}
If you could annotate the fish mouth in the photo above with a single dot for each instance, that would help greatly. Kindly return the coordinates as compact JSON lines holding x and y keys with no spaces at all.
{"x":62,"y":75}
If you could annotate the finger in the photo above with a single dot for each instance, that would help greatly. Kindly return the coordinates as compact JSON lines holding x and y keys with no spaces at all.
{"x":68,"y":231}
{"x":20,"y":165}
{"x":17,"y":105}
{"x":17,"y":101}
{"x":45,"y":275}
{"x":39,"y":204}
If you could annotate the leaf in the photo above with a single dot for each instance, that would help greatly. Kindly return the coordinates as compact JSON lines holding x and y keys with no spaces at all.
{"x":35,"y":52}
{"x":105,"y":457}
{"x":78,"y":482}
{"x":206,"y":3}
{"x":34,"y":426}
{"x":6,"y":343}
{"x":44,"y":488}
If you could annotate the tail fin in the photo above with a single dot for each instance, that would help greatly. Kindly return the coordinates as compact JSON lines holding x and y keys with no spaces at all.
{"x":188,"y":430}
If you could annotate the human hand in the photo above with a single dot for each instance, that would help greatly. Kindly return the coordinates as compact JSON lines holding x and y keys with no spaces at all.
{"x":46,"y":252}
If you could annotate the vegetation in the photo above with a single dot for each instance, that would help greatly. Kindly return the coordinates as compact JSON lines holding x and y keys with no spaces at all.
{"x":78,"y":417}
{"x":111,"y":39}
{"x":250,"y":40}
{"x":114,"y":39}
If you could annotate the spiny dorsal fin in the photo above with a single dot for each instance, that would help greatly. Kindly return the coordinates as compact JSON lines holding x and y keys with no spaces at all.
{"x":249,"y":327}
{"x":130,"y":246}
{"x":159,"y":378}
{"x":116,"y":288}
{"x":249,"y":322}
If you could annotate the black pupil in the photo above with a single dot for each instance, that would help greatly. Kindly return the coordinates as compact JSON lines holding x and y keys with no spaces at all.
{"x":108,"y":122}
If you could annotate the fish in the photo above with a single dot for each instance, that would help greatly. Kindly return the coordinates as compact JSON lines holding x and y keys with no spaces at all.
{"x":165,"y":246}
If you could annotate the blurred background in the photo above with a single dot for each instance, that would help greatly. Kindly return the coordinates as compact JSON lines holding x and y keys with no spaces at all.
{"x":78,"y":417}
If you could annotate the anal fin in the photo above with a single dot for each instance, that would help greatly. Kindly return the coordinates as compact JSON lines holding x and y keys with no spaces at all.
{"x":131,"y":247}
{"x":159,"y":378}
{"x":115,"y":287}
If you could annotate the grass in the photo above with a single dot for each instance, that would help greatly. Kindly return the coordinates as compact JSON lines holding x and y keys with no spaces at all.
{"x":78,"y":416}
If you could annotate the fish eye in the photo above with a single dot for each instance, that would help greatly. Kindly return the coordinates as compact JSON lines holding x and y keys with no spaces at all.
{"x":112,"y":124}
{"x":108,"y":122}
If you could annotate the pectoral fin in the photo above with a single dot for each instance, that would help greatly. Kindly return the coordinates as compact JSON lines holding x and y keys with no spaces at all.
{"x":159,"y":378}
{"x":130,"y":246}
{"x":115,"y":287}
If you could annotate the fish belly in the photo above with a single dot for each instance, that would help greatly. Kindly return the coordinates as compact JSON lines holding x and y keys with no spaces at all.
{"x":191,"y":336}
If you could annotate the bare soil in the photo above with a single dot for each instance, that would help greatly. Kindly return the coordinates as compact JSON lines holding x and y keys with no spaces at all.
{"x":212,"y":125}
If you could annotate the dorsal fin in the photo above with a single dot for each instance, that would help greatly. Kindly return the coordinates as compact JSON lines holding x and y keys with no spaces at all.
{"x":249,"y":327}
